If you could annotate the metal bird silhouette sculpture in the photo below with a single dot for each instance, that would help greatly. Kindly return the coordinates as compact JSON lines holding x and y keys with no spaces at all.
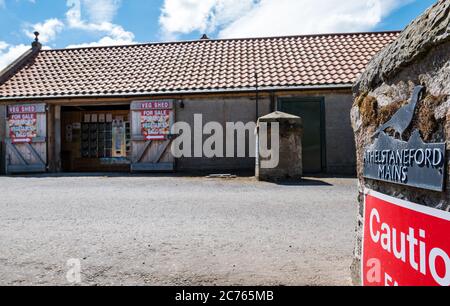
{"x":402,"y":119}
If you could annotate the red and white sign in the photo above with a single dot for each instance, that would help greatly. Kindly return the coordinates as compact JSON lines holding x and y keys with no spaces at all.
{"x":156,"y":121}
{"x":22,"y":127}
{"x":404,"y":244}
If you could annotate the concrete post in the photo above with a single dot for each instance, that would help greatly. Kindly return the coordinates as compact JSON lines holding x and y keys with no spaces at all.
{"x":290,"y":164}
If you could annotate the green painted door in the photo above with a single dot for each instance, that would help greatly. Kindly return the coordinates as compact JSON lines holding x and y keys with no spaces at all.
{"x":311,"y":113}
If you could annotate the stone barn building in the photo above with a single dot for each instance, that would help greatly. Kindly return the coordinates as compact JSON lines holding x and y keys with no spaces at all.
{"x":87,"y":109}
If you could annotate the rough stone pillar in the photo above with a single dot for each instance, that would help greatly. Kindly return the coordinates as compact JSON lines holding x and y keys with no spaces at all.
{"x":420,"y":56}
{"x":290,"y":166}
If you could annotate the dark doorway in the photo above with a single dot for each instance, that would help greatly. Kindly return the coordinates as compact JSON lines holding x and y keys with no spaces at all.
{"x":96,"y":138}
{"x":311,"y":110}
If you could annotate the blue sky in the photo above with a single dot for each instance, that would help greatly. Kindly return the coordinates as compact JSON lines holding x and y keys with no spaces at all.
{"x":71,"y":23}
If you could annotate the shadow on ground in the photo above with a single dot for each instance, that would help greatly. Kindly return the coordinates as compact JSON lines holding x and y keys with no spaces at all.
{"x":304,"y":182}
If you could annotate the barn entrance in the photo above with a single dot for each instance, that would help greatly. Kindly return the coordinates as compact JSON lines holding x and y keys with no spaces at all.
{"x":117,"y":138}
{"x":311,"y":110}
{"x":95,"y":138}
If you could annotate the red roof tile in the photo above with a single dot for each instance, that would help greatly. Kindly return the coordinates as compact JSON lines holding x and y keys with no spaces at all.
{"x":225,"y":65}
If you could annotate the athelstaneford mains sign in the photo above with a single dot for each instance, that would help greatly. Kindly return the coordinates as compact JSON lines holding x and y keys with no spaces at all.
{"x":412,"y":163}
{"x":404,"y":244}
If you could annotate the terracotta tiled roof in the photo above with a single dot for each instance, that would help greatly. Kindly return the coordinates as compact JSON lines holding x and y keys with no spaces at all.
{"x":203,"y":65}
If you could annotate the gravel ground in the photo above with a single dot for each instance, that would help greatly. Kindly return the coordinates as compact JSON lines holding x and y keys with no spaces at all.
{"x":130,"y":230}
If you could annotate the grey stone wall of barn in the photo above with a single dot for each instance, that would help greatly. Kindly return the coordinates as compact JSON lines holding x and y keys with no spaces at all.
{"x":339,"y":138}
{"x":340,"y":143}
{"x":2,"y":138}
{"x":221,"y":110}
{"x":420,"y":56}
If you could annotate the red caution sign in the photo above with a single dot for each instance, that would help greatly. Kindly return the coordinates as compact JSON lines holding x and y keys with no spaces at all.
{"x":404,"y":244}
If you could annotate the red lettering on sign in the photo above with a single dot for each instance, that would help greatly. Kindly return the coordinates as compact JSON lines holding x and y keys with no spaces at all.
{"x":22,"y":127}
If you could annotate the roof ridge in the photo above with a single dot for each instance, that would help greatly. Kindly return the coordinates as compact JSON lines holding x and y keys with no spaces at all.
{"x":225,"y":39}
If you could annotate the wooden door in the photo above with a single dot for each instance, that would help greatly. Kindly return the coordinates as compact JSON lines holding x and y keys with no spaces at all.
{"x":311,"y":112}
{"x":151,"y":122}
{"x":26,"y":139}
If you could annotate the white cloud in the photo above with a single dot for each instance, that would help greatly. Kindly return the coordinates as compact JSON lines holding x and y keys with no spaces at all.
{"x":253,"y":18}
{"x":98,"y":12}
{"x":186,"y":16}
{"x":9,"y":53}
{"x":3,"y":45}
{"x":101,"y":10}
{"x":100,"y":15}
{"x":48,"y":30}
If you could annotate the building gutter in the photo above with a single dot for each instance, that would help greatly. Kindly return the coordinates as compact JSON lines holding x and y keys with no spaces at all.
{"x":183,"y":92}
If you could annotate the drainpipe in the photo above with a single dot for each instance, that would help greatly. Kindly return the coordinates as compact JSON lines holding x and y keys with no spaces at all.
{"x":257,"y":96}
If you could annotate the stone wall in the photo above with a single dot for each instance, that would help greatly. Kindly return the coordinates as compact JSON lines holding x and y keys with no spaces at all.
{"x":340,"y":144}
{"x":420,"y":56}
{"x":220,"y":110}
